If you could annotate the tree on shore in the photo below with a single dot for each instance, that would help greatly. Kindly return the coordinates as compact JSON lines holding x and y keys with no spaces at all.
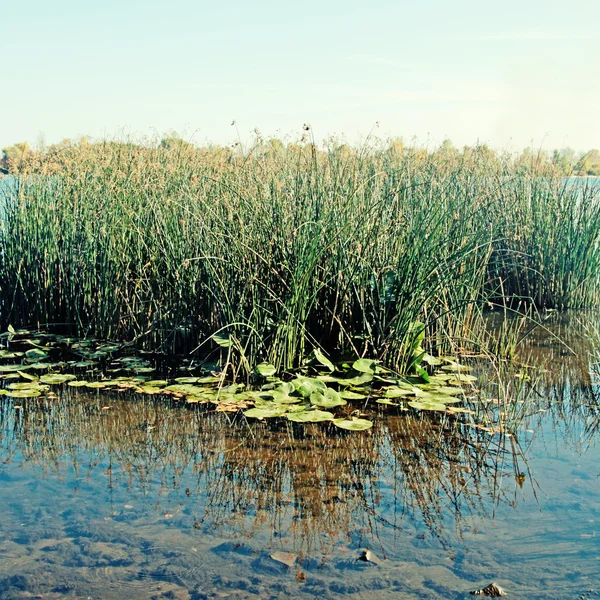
{"x":14,"y":156}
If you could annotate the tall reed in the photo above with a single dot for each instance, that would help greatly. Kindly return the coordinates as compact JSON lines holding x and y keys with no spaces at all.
{"x":280,"y":249}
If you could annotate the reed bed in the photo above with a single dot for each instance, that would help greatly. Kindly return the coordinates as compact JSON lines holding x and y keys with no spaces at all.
{"x":284,"y":249}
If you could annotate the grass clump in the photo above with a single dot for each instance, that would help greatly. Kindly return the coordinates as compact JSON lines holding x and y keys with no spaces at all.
{"x":283,"y":250}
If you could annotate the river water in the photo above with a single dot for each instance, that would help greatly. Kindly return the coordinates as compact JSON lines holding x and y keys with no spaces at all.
{"x":113,"y":495}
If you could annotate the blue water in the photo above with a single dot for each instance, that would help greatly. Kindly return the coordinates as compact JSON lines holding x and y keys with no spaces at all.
{"x":113,"y":496}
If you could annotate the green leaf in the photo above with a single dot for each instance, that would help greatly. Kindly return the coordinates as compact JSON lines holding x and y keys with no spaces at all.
{"x":266,"y":369}
{"x":399,"y":392}
{"x":29,"y":393}
{"x":36,"y":354}
{"x":353,"y":424}
{"x":424,"y":405}
{"x":223,"y":340}
{"x":320,"y":357}
{"x":365,"y":365}
{"x":349,"y":395}
{"x":310,"y":416}
{"x":56,"y":379}
{"x":328,"y":399}
{"x":422,"y":373}
{"x":265,"y":413}
{"x":306,"y":386}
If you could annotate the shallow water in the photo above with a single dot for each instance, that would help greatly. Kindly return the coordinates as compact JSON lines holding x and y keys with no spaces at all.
{"x":109,"y":495}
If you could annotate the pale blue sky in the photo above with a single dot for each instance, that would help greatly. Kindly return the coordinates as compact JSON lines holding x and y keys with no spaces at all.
{"x":508,"y":73}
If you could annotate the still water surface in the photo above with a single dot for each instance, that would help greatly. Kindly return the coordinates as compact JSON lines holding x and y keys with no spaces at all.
{"x":120,"y":496}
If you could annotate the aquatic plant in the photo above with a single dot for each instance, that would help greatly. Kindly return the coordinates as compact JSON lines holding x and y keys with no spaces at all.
{"x":266,"y":255}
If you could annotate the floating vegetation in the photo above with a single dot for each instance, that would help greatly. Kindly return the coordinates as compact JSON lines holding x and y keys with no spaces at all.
{"x":319,"y":391}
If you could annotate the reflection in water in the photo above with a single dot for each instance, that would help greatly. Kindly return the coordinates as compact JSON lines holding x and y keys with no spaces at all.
{"x":103,"y":491}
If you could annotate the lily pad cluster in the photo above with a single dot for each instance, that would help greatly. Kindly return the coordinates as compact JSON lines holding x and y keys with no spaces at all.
{"x":31,"y":363}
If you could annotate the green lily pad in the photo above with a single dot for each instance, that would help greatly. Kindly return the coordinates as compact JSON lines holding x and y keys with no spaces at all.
{"x":310,"y":416}
{"x":265,"y":412}
{"x":365,"y":365}
{"x":98,"y":385}
{"x":306,"y":386}
{"x":321,"y":358}
{"x":353,"y":424}
{"x":29,"y":393}
{"x":424,"y":405}
{"x":400,"y":392}
{"x":36,"y":354}
{"x":78,"y":383}
{"x":56,"y":379}
{"x":327,"y":399}
{"x":460,"y":379}
{"x":350,"y":395}
{"x":266,"y":369}
{"x":14,"y":368}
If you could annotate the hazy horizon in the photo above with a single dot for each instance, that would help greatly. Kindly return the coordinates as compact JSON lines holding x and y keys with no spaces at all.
{"x":515,"y":77}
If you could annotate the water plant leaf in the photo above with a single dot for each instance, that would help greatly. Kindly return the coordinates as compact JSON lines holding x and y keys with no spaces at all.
{"x":327,"y":399}
{"x":422,"y":373}
{"x":365,"y":365}
{"x":399,"y":392}
{"x":356,"y":381}
{"x":77,"y":383}
{"x":266,"y":369}
{"x":9,"y":354}
{"x":321,"y":358}
{"x":265,"y":412}
{"x":350,"y":395}
{"x":456,"y":368}
{"x":310,"y":416}
{"x":426,"y":405}
{"x":36,"y":354}
{"x":14,"y":368}
{"x":27,"y":376}
{"x":185,"y":380}
{"x":281,"y":397}
{"x":460,"y":379}
{"x":306,"y":385}
{"x":431,"y":360}
{"x":99,"y":384}
{"x":222,"y":340}
{"x":56,"y":379}
{"x":28,"y":393}
{"x":354,"y":424}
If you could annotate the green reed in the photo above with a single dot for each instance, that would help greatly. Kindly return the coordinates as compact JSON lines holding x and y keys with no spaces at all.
{"x":280,"y":252}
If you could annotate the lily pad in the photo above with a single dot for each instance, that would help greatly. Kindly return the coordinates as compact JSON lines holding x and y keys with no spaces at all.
{"x":328,"y":398}
{"x":353,"y":424}
{"x":425,"y":405}
{"x":321,"y":358}
{"x":56,"y":379}
{"x":77,"y":383}
{"x":29,"y":393}
{"x":310,"y":416}
{"x":365,"y":365}
{"x":265,"y":412}
{"x":266,"y":369}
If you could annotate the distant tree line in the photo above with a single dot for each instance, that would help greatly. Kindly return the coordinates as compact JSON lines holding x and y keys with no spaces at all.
{"x":565,"y":162}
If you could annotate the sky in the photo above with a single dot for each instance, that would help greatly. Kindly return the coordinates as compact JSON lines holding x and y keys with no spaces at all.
{"x":510,"y":74}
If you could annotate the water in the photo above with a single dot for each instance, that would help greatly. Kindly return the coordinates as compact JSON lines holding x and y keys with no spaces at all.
{"x":108,"y":495}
